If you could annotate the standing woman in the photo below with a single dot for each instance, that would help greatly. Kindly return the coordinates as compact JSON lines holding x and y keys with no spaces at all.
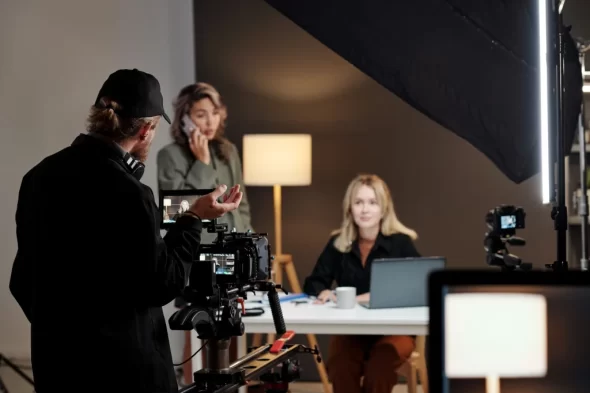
{"x":201,"y":157}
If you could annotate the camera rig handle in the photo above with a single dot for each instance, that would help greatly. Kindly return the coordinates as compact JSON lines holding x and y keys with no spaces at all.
{"x":275,"y":305}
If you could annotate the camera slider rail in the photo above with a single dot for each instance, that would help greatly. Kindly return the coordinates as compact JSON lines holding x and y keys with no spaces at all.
{"x":249,"y":367}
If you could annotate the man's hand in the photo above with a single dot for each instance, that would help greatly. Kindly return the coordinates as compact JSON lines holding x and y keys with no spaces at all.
{"x":324,"y":296}
{"x":209,"y":208}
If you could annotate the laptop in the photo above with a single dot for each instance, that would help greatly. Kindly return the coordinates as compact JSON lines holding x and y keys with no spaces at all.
{"x":401,"y":282}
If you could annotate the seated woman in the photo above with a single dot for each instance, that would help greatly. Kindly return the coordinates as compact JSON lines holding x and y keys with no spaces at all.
{"x":370,"y":229}
{"x":184,"y":206}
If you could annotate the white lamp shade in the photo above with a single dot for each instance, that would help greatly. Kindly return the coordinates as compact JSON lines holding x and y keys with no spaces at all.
{"x":167,"y":202}
{"x":277,"y":159}
{"x":495,"y":334}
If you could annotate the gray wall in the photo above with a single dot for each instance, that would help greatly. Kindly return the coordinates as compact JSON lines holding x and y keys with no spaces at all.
{"x":54,"y":56}
{"x":276,"y":78}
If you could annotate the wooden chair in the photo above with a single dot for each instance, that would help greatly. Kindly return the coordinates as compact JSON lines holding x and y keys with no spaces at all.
{"x":416,"y":367}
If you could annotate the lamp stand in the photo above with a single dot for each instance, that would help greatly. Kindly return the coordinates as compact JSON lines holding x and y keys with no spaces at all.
{"x":277,"y":199}
{"x":492,"y":384}
{"x":285,"y":261}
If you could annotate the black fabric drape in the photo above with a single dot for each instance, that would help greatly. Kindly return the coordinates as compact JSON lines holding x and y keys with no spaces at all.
{"x":469,"y":65}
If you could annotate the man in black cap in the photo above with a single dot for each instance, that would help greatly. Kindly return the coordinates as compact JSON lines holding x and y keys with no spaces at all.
{"x":92,"y":284}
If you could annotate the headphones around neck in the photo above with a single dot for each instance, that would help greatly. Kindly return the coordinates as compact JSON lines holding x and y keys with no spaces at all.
{"x":135,"y":167}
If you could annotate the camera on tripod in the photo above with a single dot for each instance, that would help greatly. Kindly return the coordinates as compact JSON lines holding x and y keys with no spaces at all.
{"x":217,"y":281}
{"x":502,"y":222}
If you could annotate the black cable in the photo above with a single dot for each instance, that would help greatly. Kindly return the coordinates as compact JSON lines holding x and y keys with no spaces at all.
{"x":192,"y":356}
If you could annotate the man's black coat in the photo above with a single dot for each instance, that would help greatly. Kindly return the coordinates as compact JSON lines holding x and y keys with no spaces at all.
{"x":92,"y":273}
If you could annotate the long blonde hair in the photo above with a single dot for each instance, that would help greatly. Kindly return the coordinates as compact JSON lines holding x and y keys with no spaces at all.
{"x":348,"y":231}
{"x":183,"y":104}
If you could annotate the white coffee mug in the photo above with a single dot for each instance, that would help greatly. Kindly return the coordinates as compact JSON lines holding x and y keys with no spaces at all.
{"x":345,"y":297}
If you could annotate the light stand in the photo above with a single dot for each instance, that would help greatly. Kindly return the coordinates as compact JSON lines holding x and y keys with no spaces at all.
{"x":4,"y":360}
{"x":556,"y":126}
{"x":583,"y":47}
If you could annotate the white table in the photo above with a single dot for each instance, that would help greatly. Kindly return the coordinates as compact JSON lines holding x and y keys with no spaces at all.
{"x":327,"y":319}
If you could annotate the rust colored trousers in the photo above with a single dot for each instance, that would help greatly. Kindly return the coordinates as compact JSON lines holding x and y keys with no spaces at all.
{"x":376,"y":358}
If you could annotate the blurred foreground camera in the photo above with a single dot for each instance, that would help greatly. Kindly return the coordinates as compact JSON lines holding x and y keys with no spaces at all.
{"x":502,"y":222}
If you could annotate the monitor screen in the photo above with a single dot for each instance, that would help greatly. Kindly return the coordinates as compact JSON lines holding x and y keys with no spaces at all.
{"x":174,"y":203}
{"x":567,"y":338}
{"x":224,"y":263}
{"x":508,"y":222}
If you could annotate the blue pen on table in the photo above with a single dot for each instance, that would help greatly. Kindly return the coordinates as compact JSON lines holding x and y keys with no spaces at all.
{"x":295,"y":296}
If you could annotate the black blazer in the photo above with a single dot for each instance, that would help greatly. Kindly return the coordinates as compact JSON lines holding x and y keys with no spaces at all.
{"x":91,"y":283}
{"x":346,"y":269}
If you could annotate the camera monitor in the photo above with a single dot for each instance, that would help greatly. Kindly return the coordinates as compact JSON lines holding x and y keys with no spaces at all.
{"x":504,"y":220}
{"x":479,"y":319}
{"x":174,"y":203}
{"x":241,"y":257}
{"x":223,"y":262}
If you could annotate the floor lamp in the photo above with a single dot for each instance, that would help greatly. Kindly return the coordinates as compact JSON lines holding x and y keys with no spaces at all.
{"x":167,"y":203}
{"x":279,"y":160}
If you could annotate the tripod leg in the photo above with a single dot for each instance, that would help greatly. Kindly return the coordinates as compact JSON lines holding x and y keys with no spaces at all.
{"x":313,"y":343}
{"x":3,"y":388}
{"x":278,"y":272}
{"x":16,"y":370}
{"x":292,"y":277}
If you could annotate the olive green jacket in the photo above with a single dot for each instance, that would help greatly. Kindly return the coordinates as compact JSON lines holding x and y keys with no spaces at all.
{"x":179,"y":170}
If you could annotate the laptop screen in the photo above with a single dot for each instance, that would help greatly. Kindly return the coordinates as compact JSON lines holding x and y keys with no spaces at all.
{"x":402,"y":282}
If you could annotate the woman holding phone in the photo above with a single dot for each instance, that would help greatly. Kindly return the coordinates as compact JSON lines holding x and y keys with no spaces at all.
{"x":201,"y":157}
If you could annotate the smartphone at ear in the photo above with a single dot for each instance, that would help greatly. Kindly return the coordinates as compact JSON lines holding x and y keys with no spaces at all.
{"x":188,"y":126}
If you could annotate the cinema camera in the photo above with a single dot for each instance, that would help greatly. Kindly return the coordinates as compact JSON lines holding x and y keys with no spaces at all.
{"x":503,"y":221}
{"x":217,"y":282}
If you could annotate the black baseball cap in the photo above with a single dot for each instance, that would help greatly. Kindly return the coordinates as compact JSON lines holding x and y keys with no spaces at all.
{"x":137,"y":92}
